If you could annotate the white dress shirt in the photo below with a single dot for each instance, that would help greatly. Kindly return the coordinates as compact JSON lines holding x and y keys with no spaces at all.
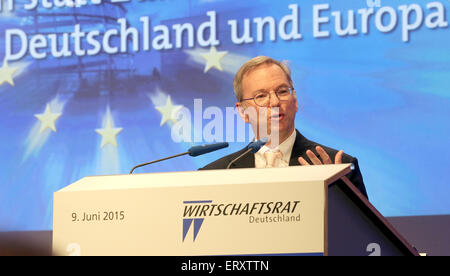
{"x":285,"y":148}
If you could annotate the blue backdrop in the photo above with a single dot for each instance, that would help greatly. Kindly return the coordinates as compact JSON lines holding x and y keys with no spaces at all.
{"x":85,"y":102}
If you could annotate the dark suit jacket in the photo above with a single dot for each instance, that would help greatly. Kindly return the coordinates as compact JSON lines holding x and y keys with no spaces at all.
{"x":301,"y":145}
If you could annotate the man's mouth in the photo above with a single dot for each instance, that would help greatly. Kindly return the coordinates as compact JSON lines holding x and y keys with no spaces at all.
{"x":277,"y":117}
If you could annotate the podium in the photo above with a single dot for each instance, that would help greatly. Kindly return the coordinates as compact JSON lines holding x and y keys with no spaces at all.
{"x":278,"y":211}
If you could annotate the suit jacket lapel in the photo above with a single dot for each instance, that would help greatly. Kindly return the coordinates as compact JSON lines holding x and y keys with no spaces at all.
{"x":301,"y":144}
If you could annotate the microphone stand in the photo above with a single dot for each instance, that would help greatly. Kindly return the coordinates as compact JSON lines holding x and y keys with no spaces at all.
{"x":193,"y":151}
{"x":235,"y":159}
{"x":252,"y":147}
{"x":159,"y":160}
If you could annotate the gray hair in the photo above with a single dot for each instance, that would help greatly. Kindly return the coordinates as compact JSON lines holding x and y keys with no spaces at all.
{"x":252,"y":64}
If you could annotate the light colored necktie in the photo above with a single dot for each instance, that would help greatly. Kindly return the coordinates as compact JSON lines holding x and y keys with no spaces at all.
{"x":271,"y":157}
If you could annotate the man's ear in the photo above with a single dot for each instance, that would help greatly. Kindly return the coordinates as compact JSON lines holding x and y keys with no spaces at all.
{"x":296,"y":101}
{"x":241,"y":110}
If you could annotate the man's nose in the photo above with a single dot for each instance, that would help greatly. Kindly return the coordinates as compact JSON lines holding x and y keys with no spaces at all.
{"x":273,"y":99}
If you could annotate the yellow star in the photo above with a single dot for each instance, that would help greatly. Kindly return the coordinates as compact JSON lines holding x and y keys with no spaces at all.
{"x":213,"y":59}
{"x":6,"y":73}
{"x":109,"y":133}
{"x":169,"y":111}
{"x":47,"y":119}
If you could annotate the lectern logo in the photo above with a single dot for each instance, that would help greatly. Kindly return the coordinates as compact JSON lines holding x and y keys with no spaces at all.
{"x":190,"y":208}
{"x":257,"y":212}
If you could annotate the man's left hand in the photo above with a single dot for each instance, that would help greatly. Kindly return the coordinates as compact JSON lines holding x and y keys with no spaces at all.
{"x":323,"y":155}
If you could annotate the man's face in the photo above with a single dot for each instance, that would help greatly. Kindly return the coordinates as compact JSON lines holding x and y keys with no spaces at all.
{"x":279,"y":114}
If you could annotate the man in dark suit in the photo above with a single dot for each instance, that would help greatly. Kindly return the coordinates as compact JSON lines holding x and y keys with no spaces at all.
{"x":266,"y":99}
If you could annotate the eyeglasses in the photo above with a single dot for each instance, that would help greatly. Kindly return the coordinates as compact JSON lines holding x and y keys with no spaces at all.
{"x":263,"y":98}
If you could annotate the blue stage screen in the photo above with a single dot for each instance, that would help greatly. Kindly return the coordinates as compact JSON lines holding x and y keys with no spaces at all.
{"x":91,"y":88}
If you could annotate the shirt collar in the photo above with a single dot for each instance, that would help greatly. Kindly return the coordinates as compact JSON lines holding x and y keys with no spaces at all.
{"x":285,"y":147}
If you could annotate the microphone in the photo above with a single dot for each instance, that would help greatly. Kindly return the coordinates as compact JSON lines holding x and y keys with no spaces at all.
{"x":192,"y":151}
{"x":199,"y":150}
{"x":253,"y":147}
